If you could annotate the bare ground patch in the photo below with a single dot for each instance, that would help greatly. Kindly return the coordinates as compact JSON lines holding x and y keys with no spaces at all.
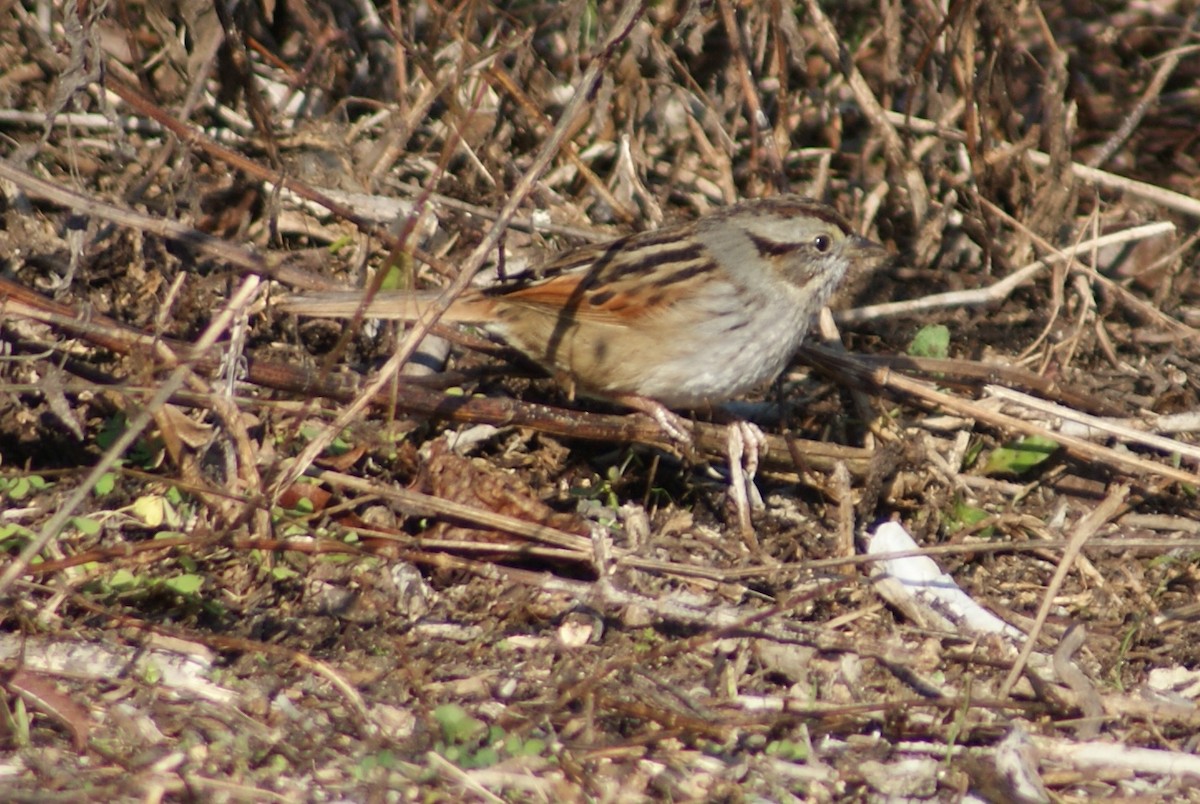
{"x":481,"y":588}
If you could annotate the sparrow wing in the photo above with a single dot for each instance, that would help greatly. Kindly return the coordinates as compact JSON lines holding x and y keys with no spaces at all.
{"x":620,"y":283}
{"x":638,"y":277}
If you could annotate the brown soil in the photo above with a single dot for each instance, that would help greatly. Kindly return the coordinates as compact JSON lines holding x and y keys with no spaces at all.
{"x":487,"y":589}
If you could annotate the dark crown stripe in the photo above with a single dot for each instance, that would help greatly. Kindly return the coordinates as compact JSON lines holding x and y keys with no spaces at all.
{"x":792,"y":207}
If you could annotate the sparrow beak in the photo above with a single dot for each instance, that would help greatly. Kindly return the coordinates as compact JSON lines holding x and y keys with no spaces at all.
{"x":867,"y":254}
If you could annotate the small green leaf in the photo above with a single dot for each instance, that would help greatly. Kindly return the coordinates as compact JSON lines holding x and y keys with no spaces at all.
{"x":968,"y":514}
{"x":484,"y":758}
{"x":14,"y":536}
{"x":974,"y":450}
{"x":931,"y":341}
{"x":514,"y":746}
{"x":309,"y":431}
{"x":340,"y":243}
{"x":1019,"y":457}
{"x":88,"y":527}
{"x":291,"y":530}
{"x":184,"y":584}
{"x":105,"y":485}
{"x":393,"y":278}
{"x":122,"y":579}
{"x":20,"y":723}
{"x":787,"y":750}
{"x":150,"y":510}
{"x":457,"y":725}
{"x":20,"y":489}
{"x":282,"y":573}
{"x":399,"y":272}
{"x":963,"y":515}
{"x":110,"y":431}
{"x":151,"y":672}
{"x":533,"y":747}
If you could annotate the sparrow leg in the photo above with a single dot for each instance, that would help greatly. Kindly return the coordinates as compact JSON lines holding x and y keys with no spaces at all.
{"x":744,"y":445}
{"x":672,"y":423}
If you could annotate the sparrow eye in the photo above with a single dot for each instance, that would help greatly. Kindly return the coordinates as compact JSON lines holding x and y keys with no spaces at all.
{"x":822,"y":242}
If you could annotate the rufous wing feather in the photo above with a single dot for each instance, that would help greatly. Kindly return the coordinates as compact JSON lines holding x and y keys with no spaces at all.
{"x":568,"y":296}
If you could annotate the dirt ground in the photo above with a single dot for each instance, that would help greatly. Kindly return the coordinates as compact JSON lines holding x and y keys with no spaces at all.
{"x":251,"y":557}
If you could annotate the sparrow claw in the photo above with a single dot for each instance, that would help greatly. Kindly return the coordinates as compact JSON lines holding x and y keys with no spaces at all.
{"x":745,"y":444}
{"x":672,"y":423}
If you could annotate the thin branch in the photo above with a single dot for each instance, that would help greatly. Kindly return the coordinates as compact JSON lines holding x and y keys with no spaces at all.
{"x":1149,"y":96}
{"x":1086,"y":528}
{"x":1103,"y":428}
{"x":1149,"y":192}
{"x":848,"y":367}
{"x":1000,"y":290}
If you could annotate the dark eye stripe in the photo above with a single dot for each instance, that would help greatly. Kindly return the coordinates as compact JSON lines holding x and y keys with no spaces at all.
{"x":771,"y":248}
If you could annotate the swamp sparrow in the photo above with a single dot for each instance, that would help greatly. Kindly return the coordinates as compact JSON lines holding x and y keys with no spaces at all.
{"x":683,"y":316}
